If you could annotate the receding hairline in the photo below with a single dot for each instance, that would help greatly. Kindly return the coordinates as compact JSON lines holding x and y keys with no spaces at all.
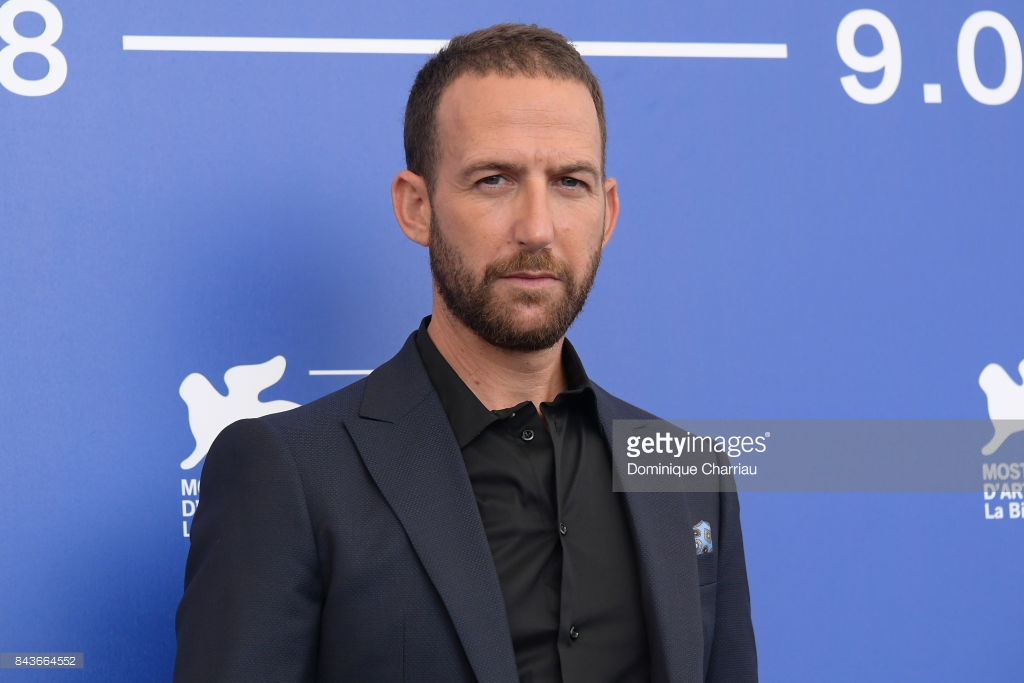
{"x":560,"y":79}
{"x":504,"y":50}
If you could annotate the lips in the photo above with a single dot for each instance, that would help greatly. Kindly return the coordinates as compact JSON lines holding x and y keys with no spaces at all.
{"x":529,"y":270}
{"x":532,"y":275}
{"x":531,"y":279}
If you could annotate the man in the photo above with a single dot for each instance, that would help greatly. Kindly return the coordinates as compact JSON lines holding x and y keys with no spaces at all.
{"x":451,"y":517}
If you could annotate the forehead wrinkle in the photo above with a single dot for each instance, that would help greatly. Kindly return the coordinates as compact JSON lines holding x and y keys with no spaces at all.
{"x":561,"y":144}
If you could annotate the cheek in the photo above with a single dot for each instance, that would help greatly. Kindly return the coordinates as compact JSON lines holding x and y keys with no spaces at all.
{"x":585,"y":234}
{"x":582,"y":217}
{"x":478,"y":237}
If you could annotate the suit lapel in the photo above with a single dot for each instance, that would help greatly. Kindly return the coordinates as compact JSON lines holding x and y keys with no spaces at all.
{"x":405,"y":441}
{"x":668,"y":569}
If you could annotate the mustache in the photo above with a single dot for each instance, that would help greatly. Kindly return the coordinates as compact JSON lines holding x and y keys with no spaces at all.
{"x":541,"y":260}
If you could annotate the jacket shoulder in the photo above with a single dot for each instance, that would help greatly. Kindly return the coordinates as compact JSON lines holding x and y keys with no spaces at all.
{"x":326,"y":410}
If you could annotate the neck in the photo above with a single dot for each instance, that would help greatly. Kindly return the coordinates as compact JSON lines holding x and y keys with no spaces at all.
{"x":499,"y":378}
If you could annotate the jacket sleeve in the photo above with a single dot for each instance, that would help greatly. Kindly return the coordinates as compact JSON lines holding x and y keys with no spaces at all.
{"x":733,"y":653}
{"x":251,"y":606}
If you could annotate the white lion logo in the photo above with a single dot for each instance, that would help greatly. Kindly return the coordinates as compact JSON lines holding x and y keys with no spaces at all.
{"x":209,"y":411}
{"x":1005,"y":403}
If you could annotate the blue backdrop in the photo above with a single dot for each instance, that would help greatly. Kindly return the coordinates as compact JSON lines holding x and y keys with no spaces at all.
{"x":789,"y":247}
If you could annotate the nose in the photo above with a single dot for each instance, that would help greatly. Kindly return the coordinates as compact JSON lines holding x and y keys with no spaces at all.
{"x":535,"y":226}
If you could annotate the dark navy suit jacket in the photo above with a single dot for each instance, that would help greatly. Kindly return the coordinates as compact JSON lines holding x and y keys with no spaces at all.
{"x":341,"y":541}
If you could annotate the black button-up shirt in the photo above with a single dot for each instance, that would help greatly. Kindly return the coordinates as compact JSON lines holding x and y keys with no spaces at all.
{"x":558,"y":534}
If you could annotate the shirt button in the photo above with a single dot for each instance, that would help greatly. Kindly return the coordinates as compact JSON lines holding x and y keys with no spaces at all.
{"x":527,"y":435}
{"x":563,"y":528}
{"x":573,"y":633}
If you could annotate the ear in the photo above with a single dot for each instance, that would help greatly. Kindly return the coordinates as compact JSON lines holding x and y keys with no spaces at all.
{"x":611,"y":209}
{"x":411,"y":204}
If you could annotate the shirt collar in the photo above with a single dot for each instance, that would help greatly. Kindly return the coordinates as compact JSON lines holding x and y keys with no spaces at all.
{"x":466,"y":414}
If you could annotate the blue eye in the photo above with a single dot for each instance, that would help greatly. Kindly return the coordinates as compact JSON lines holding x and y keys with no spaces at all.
{"x":572,"y":182}
{"x":491,"y":180}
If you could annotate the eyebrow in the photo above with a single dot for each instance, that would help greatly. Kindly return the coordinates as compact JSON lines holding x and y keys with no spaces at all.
{"x":578,"y":167}
{"x":568,"y":168}
{"x":482,"y":166}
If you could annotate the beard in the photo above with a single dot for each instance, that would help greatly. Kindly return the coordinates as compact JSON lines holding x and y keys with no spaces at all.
{"x":493,"y":318}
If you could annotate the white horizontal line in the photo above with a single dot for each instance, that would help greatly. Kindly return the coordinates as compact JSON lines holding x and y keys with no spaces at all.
{"x":243,"y":44}
{"x":428,"y":47}
{"x":693,"y":50}
{"x":316,"y":373}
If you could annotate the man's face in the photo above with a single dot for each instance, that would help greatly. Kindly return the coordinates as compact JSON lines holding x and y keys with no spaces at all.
{"x":519,"y":209}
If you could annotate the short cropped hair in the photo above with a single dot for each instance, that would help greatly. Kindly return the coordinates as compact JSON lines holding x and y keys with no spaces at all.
{"x":504,"y":49}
